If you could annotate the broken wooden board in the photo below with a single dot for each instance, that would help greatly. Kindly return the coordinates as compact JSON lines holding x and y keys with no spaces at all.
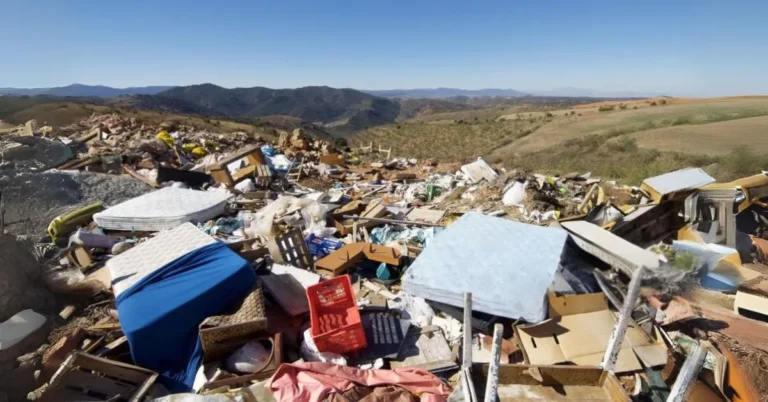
{"x":425,"y":215}
{"x":610,"y":248}
{"x":425,"y":348}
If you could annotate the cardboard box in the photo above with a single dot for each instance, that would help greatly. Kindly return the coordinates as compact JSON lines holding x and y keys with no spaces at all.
{"x":557,"y":383}
{"x":345,"y":226}
{"x":332,"y":160}
{"x":346,"y":257}
{"x":578,"y":332}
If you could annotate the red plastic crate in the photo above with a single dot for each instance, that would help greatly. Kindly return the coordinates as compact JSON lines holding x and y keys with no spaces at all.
{"x":335,"y":319}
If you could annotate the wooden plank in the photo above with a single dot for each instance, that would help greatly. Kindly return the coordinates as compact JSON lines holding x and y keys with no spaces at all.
{"x":129,"y":170}
{"x":112,"y":345}
{"x":93,"y":382}
{"x":244,"y":173}
{"x":115,"y":369}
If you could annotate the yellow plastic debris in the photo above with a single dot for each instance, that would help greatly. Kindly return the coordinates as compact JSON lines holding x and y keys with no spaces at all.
{"x":188,"y":147}
{"x":68,"y":223}
{"x":199,"y":151}
{"x":165,"y":137}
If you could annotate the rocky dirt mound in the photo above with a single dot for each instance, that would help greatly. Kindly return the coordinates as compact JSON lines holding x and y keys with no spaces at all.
{"x":21,"y":286}
{"x":58,"y":192}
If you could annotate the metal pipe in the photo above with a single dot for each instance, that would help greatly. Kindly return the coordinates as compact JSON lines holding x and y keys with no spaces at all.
{"x":601,"y":282}
{"x":620,"y":329}
{"x":688,"y":374}
{"x":384,"y":220}
{"x":466,"y":360}
{"x":492,"y":386}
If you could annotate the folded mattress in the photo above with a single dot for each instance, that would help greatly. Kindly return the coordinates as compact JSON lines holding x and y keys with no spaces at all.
{"x":163,"y":209}
{"x":133,"y":265}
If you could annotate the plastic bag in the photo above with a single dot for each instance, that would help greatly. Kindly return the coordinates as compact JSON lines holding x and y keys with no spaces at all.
{"x":310,"y":353}
{"x":412,"y":308}
{"x":515,"y":196}
{"x":250,"y":358}
{"x":245,"y":186}
{"x":314,"y":218}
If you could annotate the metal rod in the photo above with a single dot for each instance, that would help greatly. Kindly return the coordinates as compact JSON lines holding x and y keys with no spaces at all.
{"x":466,"y":360}
{"x":467,"y":386}
{"x":383,"y":220}
{"x":601,"y":282}
{"x":688,"y":374}
{"x":620,"y":329}
{"x":492,"y":386}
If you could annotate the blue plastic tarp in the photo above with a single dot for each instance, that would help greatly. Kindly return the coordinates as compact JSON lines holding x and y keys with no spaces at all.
{"x":160,"y":314}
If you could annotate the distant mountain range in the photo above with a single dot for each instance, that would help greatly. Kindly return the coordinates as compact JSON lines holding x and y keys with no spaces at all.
{"x":441,"y":93}
{"x":341,"y":110}
{"x":100,"y":91}
{"x":80,"y":90}
{"x":591,"y":93}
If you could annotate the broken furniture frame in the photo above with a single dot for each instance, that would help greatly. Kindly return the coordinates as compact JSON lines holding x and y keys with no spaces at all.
{"x":294,"y":251}
{"x":387,"y":151}
{"x":366,"y":149}
{"x":83,"y":377}
{"x":220,"y":171}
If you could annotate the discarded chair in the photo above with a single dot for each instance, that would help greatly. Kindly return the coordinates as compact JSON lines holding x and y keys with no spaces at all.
{"x":366,"y":149}
{"x":387,"y":151}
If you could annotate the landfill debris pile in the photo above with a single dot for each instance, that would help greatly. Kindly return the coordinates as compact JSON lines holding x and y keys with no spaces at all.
{"x":244,"y":270}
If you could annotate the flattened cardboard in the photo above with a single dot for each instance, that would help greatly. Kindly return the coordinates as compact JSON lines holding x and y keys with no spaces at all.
{"x":344,"y":258}
{"x":332,"y":159}
{"x":581,"y":338}
{"x":576,"y":304}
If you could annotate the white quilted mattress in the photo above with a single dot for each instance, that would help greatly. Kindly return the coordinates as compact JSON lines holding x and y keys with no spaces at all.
{"x":163,"y":209}
{"x":131,"y":266}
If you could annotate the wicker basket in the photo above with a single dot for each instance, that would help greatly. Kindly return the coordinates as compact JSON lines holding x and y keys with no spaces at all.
{"x":219,"y":335}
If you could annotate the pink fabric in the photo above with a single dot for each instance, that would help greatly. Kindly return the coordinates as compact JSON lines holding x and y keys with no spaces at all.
{"x":312,"y":382}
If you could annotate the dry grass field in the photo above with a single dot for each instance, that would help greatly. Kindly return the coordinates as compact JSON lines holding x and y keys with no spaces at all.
{"x":709,"y":139}
{"x":628,"y":121}
{"x":634,"y":140}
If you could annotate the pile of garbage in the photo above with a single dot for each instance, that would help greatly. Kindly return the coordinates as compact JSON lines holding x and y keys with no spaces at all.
{"x":295,"y":271}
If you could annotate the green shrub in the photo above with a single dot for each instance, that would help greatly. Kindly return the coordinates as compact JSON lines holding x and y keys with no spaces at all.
{"x":606,"y":108}
{"x":341,"y":142}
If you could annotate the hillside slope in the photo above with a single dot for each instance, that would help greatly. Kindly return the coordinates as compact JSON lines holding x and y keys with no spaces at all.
{"x":349,"y":109}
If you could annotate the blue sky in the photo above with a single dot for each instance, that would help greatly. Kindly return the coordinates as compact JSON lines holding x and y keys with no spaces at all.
{"x":678,"y":47}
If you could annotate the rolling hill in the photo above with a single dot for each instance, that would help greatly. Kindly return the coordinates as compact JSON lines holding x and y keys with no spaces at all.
{"x":627,"y":140}
{"x":343,"y":109}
